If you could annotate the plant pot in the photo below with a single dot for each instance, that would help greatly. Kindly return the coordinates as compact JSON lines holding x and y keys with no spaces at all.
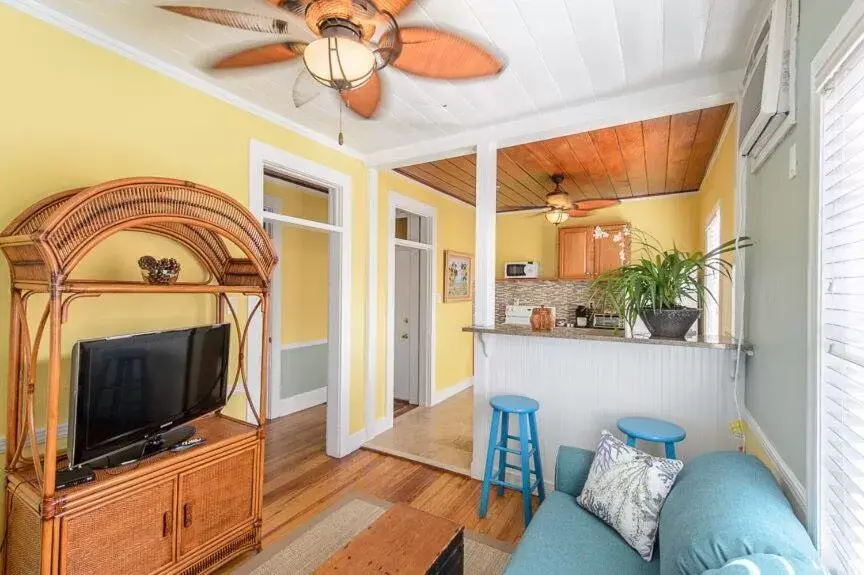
{"x":669,"y":323}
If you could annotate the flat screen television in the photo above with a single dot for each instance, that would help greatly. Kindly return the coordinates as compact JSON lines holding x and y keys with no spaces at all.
{"x":130,"y":392}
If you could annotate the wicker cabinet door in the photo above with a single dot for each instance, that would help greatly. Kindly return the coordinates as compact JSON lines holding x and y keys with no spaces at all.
{"x":216,"y":498}
{"x":131,"y":536}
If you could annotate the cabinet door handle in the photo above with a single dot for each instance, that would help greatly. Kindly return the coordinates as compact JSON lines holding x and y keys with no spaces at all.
{"x":187,"y":515}
{"x":166,"y":524}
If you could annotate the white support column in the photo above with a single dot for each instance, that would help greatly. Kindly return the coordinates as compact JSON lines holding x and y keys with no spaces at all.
{"x":484,"y":294}
{"x":484,"y":262}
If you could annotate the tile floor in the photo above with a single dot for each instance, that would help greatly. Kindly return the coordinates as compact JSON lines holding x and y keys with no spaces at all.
{"x":441,"y":436}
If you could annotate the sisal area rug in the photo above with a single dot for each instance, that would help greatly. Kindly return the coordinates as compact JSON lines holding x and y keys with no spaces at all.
{"x":312,"y":544}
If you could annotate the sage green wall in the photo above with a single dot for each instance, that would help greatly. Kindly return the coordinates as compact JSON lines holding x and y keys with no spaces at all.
{"x":776,"y":277}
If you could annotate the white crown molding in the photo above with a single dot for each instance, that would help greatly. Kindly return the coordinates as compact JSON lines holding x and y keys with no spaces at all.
{"x":671,"y":99}
{"x":64,"y":22}
{"x":791,"y":485}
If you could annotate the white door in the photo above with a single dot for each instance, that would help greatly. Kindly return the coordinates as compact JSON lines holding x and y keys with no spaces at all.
{"x":406,"y":360}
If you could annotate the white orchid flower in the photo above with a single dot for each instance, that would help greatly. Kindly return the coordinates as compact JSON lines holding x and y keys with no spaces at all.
{"x":600,"y":233}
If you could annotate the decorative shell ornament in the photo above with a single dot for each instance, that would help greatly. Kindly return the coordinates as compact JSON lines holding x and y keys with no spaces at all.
{"x":159,"y":272}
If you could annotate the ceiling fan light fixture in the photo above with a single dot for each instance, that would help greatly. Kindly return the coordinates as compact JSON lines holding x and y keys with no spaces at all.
{"x":339,"y":60}
{"x":557,"y":216}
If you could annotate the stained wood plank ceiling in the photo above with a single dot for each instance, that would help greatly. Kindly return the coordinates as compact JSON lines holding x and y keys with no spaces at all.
{"x":654,"y":157}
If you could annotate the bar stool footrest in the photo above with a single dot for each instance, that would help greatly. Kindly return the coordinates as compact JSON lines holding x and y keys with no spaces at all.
{"x":515,"y":486}
{"x":499,"y":447}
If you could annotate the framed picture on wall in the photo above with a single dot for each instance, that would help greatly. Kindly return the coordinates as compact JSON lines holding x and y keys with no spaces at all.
{"x":458,"y":276}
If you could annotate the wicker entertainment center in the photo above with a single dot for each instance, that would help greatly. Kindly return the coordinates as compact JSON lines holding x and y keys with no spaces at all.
{"x":175,"y":513}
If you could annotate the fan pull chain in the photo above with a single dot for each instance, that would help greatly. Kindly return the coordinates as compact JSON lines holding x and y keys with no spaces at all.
{"x":341,"y":137}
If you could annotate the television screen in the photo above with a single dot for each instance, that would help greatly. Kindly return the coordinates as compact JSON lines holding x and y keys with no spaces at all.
{"x":130,"y":388}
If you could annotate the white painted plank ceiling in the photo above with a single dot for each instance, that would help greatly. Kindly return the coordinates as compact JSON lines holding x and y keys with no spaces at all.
{"x":560,"y":53}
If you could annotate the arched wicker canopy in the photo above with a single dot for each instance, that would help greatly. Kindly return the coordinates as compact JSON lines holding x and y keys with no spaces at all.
{"x":51,"y":237}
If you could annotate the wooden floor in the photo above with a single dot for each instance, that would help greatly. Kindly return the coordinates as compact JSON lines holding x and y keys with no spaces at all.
{"x":401,"y":407}
{"x":301,"y":481}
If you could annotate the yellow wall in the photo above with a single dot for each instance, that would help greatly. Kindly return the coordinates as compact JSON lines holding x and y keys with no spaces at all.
{"x":303,"y":263}
{"x":718,"y":192}
{"x":528,"y":236}
{"x":75,"y":114}
{"x":455,"y":231}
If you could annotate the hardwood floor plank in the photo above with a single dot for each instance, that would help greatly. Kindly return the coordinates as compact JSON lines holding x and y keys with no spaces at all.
{"x":301,"y":481}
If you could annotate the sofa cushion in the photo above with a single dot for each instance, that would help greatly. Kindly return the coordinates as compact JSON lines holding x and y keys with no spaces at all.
{"x":563,"y":539}
{"x":626,"y":489}
{"x":764,"y":564}
{"x":724,"y":506}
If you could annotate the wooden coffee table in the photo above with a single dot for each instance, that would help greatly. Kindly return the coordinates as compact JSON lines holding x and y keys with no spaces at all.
{"x":404,"y":541}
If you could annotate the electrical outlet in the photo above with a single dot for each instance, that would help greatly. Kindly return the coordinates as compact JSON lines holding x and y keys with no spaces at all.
{"x":793,"y":160}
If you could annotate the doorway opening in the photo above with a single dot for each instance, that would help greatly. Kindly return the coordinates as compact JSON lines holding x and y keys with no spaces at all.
{"x":410,"y":350}
{"x":410,"y":305}
{"x":300,"y":314}
{"x":306,"y":209}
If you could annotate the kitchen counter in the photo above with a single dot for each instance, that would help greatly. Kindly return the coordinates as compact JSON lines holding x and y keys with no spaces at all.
{"x":585,"y":379}
{"x":610,"y":335}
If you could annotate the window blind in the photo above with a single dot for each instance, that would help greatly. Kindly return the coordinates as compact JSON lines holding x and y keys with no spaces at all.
{"x":841,"y":381}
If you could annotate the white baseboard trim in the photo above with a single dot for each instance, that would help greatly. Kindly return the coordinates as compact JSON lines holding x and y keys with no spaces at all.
{"x":299,"y":402}
{"x":62,"y":432}
{"x":793,"y":488}
{"x":301,"y":344}
{"x":441,"y":395}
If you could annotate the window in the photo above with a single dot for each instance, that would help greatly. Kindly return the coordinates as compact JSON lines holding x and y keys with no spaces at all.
{"x":839,"y":373}
{"x":712,"y":278}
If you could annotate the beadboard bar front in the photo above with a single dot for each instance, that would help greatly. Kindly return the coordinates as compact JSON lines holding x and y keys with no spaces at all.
{"x":584,"y":386}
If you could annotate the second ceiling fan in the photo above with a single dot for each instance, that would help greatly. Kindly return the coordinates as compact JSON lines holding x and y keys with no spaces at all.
{"x":560,"y":207}
{"x":356,"y":39}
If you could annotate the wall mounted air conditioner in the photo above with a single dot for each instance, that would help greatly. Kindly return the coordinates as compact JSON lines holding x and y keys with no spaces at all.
{"x":768,"y":95}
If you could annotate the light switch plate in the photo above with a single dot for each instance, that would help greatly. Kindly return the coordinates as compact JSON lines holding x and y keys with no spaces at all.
{"x":793,"y":160}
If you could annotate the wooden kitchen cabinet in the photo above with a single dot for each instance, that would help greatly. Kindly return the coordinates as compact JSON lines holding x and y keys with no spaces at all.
{"x":607,"y":252}
{"x":574,"y":253}
{"x":581,"y":256}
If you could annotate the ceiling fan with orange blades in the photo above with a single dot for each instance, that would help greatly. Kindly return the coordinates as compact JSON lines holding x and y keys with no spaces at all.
{"x":560,"y":207}
{"x":356,"y":39}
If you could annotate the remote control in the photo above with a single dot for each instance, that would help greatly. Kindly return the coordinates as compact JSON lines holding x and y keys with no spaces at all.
{"x":188,"y":444}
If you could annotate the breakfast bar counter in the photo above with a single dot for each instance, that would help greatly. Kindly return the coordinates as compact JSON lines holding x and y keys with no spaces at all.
{"x":617,"y":336}
{"x":586,"y":379}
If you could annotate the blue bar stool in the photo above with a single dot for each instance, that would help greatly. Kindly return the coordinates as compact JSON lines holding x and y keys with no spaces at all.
{"x":649,"y":429}
{"x":524,"y":408}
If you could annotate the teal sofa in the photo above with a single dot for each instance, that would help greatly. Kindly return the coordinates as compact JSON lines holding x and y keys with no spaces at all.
{"x":724,"y":506}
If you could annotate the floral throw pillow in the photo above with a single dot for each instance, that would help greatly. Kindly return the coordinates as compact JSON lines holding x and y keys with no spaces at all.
{"x":626,"y":489}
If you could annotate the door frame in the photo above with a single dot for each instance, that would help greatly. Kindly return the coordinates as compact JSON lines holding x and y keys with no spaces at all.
{"x":263,"y":156}
{"x":428,"y":297}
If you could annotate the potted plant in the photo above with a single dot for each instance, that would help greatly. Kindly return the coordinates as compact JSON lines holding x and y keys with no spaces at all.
{"x":656,"y":287}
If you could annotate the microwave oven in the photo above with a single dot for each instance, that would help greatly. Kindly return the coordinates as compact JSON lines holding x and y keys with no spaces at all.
{"x":521,"y":270}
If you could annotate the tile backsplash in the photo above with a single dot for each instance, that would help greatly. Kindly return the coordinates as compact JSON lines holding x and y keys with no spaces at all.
{"x":563,"y":295}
